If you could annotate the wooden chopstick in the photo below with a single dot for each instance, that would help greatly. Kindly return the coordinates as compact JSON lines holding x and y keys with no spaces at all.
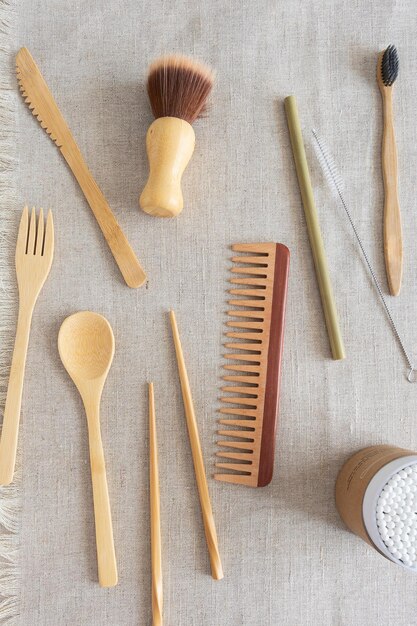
{"x":200,"y":474}
{"x":155,"y":516}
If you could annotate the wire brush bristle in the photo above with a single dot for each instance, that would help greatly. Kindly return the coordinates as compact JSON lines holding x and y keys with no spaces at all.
{"x":389,"y":66}
{"x":336,"y":185}
{"x":179,"y":87}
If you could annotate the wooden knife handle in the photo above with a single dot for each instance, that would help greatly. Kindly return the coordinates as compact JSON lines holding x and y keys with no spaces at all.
{"x":120,"y":247}
{"x":393,"y":247}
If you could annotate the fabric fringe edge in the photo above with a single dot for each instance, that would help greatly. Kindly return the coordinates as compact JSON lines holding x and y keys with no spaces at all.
{"x":10,"y":496}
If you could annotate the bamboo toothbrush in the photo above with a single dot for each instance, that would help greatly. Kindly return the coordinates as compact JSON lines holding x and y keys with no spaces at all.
{"x":178,"y":89}
{"x":387,"y":72}
{"x":155,"y":515}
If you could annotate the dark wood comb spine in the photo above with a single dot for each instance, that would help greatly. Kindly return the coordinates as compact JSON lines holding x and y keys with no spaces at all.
{"x":273,"y":377}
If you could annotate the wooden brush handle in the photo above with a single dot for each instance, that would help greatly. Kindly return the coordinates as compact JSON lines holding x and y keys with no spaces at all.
{"x":106,"y":557}
{"x":122,"y":252}
{"x":170,"y":144}
{"x":11,"y":418}
{"x":393,"y":246}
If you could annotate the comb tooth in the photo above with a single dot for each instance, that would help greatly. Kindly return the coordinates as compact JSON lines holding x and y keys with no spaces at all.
{"x":249,"y":314}
{"x":256,"y":304}
{"x":247,"y":325}
{"x":254,"y":271}
{"x":252,"y":293}
{"x":258,"y":282}
{"x":243,"y":357}
{"x":259,"y":260}
{"x":237,"y":456}
{"x":244,"y":445}
{"x":240,"y":434}
{"x":243,"y":346}
{"x":245,"y":401}
{"x":244,"y":423}
{"x":252,"y":380}
{"x":262,"y":249}
{"x":236,"y":367}
{"x":237,"y":467}
{"x":234,"y":411}
{"x":236,"y":479}
{"x":242,"y":335}
{"x":252,"y":391}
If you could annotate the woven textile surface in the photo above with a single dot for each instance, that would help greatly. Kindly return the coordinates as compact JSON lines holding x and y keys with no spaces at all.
{"x":287,"y":557}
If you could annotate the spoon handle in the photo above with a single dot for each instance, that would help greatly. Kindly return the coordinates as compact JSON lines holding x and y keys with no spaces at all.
{"x":106,"y":557}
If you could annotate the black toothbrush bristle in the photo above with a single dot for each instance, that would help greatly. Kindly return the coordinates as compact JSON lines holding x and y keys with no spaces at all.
{"x":389,"y":66}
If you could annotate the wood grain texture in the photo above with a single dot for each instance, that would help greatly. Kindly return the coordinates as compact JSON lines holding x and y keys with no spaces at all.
{"x":157,"y":593}
{"x":44,"y":108}
{"x":250,"y":445}
{"x":170,"y":144}
{"x":34,"y":254}
{"x":200,"y":473}
{"x":393,"y":245}
{"x":86,"y":348}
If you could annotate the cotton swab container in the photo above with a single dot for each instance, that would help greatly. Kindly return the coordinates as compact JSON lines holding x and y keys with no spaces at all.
{"x":376,"y":496}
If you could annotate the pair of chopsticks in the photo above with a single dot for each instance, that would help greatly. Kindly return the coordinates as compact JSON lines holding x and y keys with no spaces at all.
{"x":200,"y":474}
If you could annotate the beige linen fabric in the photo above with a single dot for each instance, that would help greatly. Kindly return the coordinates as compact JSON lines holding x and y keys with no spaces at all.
{"x":287,"y":557}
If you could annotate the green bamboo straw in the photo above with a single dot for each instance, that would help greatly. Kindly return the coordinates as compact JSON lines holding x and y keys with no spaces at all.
{"x":313,"y":227}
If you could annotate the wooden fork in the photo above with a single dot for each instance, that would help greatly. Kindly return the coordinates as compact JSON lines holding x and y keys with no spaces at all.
{"x":34,"y":253}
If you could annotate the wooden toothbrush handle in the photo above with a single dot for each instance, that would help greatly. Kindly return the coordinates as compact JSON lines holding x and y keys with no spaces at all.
{"x":122,"y":252}
{"x":106,"y":557}
{"x":393,"y":247}
{"x":11,"y":419}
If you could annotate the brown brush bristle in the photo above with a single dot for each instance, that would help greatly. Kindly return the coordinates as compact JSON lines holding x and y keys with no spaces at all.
{"x":179,"y":87}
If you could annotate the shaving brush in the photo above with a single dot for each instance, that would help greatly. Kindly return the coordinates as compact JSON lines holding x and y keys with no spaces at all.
{"x":178,"y":88}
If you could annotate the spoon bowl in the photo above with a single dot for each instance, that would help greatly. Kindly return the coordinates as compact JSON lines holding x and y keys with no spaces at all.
{"x":86,"y":346}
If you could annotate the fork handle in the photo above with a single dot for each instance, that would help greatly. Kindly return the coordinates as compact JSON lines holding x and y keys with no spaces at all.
{"x":122,"y":252}
{"x":10,"y":429}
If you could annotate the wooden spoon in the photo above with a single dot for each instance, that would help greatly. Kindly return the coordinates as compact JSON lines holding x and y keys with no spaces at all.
{"x":86,"y":348}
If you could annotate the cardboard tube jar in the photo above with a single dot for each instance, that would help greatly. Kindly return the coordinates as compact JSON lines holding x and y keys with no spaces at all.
{"x":376,"y":496}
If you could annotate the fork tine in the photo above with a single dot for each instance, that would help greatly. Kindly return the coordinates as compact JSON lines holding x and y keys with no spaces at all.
{"x":39,"y":235}
{"x":32,"y":232}
{"x":48,"y":247}
{"x":22,"y":236}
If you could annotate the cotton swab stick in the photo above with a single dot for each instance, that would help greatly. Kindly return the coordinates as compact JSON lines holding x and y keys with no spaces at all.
{"x":155,"y":515}
{"x":200,"y":473}
{"x":313,"y":226}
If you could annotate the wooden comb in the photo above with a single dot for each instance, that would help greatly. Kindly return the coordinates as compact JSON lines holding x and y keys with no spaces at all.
{"x":256,"y":352}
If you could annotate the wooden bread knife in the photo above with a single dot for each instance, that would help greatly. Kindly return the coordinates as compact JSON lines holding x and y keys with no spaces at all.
{"x":43,"y":106}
